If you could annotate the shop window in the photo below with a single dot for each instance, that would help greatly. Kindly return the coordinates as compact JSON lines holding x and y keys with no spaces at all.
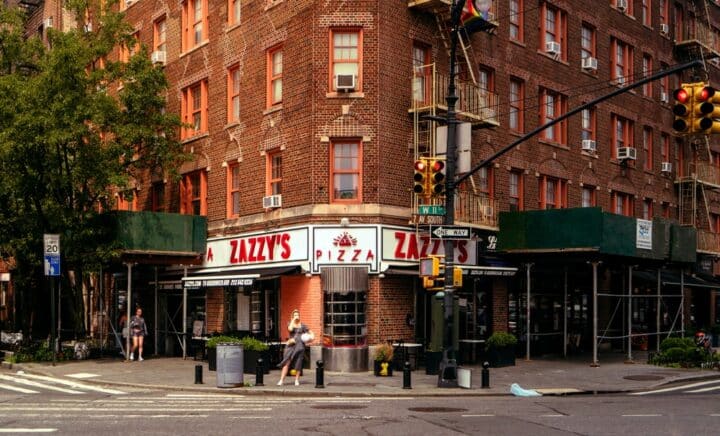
{"x":345,"y":296}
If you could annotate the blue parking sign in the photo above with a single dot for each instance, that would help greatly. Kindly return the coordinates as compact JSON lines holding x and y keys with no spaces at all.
{"x":52,"y":266}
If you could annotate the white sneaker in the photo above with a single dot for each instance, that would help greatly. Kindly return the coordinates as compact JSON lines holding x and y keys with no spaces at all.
{"x":140,"y":359}
{"x":297,"y":382}
{"x":280,"y":383}
{"x":132,"y":356}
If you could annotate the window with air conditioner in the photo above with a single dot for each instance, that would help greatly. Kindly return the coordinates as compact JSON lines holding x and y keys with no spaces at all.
{"x":627,"y":153}
{"x":664,"y":97}
{"x":622,"y":5}
{"x":552,"y":48}
{"x":664,"y":29}
{"x":666,"y":167}
{"x":272,"y":201}
{"x":48,"y":22}
{"x":345,"y":82}
{"x":158,"y":57}
{"x":589,"y":145}
{"x":589,"y":64}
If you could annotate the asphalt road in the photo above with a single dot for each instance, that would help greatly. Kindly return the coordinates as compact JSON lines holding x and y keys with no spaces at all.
{"x":691,"y":410}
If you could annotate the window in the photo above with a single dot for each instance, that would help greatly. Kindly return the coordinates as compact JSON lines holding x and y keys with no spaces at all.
{"x":274,"y":76}
{"x":552,"y":105}
{"x":126,"y":52}
{"x":233,"y":190}
{"x":194,"y":109}
{"x":648,"y":148}
{"x":517,"y":110}
{"x":679,"y":34}
{"x":663,"y":11}
{"x":553,"y":193}
{"x":516,"y":190}
{"x":3,"y":294}
{"x":664,"y":147}
{"x":346,"y":165}
{"x":553,"y":27}
{"x":233,"y":94}
{"x":647,"y":212}
{"x":233,"y":12}
{"x":127,"y":201}
{"x":159,"y":34}
{"x":157,"y":197}
{"x":274,"y":173}
{"x":647,"y":70}
{"x":588,"y":123}
{"x":193,"y":193}
{"x":346,"y":56}
{"x":664,"y":82}
{"x":622,"y":134}
{"x":646,"y":13}
{"x":587,"y":42}
{"x":486,"y":184}
{"x":623,"y":204}
{"x":665,"y":206}
{"x":516,"y":20}
{"x":422,"y":75}
{"x":194,"y":23}
{"x":622,"y":62}
{"x":589,"y":198}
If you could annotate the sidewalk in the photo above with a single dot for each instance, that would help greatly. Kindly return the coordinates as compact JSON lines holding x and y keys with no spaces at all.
{"x":546,"y":375}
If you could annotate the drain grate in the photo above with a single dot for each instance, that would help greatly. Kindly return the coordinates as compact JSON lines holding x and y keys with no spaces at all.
{"x":643,"y":377}
{"x":437,"y":409}
{"x":338,"y":407}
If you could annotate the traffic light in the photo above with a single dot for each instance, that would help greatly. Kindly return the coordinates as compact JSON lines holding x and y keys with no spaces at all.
{"x":457,"y":277}
{"x":420,"y":177}
{"x":707,"y":109}
{"x":683,"y":109}
{"x":430,"y":266}
{"x":437,"y":177}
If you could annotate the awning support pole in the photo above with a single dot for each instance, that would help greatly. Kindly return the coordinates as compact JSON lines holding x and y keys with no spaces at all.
{"x":595,"y":315}
{"x":565,"y":314}
{"x":629,"y":315}
{"x":657,"y":312}
{"x":527,"y":312}
{"x":128,"y":310}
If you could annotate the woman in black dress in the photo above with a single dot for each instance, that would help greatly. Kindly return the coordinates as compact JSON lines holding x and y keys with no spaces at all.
{"x":295,"y":348}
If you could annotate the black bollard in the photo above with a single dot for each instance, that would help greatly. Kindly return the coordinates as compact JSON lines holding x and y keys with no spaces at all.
{"x":198,"y":375}
{"x":406,"y":375}
{"x":320,"y":374}
{"x":259,"y":372}
{"x":485,"y":375}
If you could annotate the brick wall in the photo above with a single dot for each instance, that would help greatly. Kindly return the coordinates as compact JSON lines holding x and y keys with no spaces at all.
{"x":305,"y":294}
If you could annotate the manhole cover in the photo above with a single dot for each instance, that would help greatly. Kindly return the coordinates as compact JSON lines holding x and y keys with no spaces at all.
{"x":642,"y":377}
{"x":338,"y":407}
{"x":436,"y":409}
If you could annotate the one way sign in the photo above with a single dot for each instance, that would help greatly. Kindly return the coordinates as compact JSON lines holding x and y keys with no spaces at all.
{"x":451,"y":232}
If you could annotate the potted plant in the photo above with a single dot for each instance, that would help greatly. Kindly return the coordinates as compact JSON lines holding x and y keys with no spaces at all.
{"x":383,"y":360}
{"x":211,"y":346}
{"x":252,"y":350}
{"x":500,"y":348}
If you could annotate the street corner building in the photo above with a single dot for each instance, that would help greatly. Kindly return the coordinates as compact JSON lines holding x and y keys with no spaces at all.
{"x":306,"y":120}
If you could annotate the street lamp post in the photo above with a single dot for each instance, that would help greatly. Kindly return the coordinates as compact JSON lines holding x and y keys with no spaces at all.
{"x":447,"y":374}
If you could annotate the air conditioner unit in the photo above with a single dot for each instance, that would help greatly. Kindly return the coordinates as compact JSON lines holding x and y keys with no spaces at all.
{"x":666,"y":167}
{"x":626,"y":153}
{"x":664,"y":29}
{"x":48,"y":22}
{"x":664,"y":97}
{"x":552,"y":47}
{"x":272,"y":201}
{"x":589,"y":63}
{"x":622,"y":5}
{"x":345,"y":82}
{"x":589,"y":145}
{"x":488,"y":211}
{"x":158,"y":57}
{"x":620,"y":80}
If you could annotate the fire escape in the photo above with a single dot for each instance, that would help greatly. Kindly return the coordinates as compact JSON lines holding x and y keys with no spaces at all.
{"x":698,"y":178}
{"x":475,"y":105}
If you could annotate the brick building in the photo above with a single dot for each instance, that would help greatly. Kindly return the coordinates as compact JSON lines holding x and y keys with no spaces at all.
{"x":304,"y":121}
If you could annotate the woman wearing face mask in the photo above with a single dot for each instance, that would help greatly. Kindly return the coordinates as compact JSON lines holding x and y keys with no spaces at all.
{"x":295,"y":348}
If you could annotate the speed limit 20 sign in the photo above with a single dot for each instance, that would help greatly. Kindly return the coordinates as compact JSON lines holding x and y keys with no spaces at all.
{"x":51,"y":247}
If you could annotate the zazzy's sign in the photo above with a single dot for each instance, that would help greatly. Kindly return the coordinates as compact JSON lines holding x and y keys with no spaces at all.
{"x":265,"y":248}
{"x":403,"y":246}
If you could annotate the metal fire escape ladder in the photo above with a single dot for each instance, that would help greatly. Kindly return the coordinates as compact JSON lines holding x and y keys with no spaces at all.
{"x":688,"y":200}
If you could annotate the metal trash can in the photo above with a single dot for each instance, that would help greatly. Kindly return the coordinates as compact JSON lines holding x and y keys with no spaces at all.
{"x":229,"y":365}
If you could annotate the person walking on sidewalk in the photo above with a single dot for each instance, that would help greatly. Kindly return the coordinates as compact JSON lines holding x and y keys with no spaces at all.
{"x":138,"y":331}
{"x":295,"y":348}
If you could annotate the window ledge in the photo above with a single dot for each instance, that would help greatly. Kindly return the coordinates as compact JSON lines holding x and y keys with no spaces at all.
{"x":232,"y":27}
{"x":593,"y":155}
{"x":231,"y":125}
{"x":553,"y":143}
{"x":593,"y":74}
{"x":195,"y":137}
{"x":335,"y":94}
{"x":276,"y":108}
{"x":197,"y":47}
{"x":272,"y":3}
{"x":551,"y":57}
{"x":519,"y":43}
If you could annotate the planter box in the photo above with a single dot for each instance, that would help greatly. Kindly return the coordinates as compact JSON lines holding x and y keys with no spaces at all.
{"x":377,"y":367}
{"x":498,"y":357}
{"x":250,"y":358}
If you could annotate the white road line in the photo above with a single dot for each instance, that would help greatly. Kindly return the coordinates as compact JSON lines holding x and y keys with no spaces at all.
{"x":28,"y":430}
{"x":130,"y":409}
{"x":552,"y":415}
{"x":104,"y":416}
{"x":37,"y":385}
{"x":251,"y":417}
{"x":82,"y":375}
{"x":203,"y":396}
{"x":712,"y":388}
{"x":676,"y":388}
{"x":477,"y":416}
{"x":640,"y":415}
{"x":715,"y":414}
{"x":17,"y":389}
{"x":73,"y":384}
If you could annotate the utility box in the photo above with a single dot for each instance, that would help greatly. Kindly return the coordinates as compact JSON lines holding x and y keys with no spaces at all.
{"x":229,"y":365}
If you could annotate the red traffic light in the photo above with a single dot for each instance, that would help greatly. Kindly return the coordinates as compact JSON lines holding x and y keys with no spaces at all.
{"x":437,"y":166}
{"x":681,"y":95}
{"x":705,"y":93}
{"x":419,"y":165}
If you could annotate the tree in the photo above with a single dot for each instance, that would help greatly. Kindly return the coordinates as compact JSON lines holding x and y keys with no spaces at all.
{"x":76,"y":128}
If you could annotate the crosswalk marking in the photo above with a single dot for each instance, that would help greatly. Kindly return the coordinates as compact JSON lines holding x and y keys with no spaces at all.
{"x":37,"y":384}
{"x":17,"y":389}
{"x":73,"y":384}
{"x":712,"y":388}
{"x":677,"y":388}
{"x":28,"y":430}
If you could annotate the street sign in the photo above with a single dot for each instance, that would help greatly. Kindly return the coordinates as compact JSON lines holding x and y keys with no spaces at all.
{"x":431,"y":209}
{"x":451,"y":232}
{"x":51,"y":248}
